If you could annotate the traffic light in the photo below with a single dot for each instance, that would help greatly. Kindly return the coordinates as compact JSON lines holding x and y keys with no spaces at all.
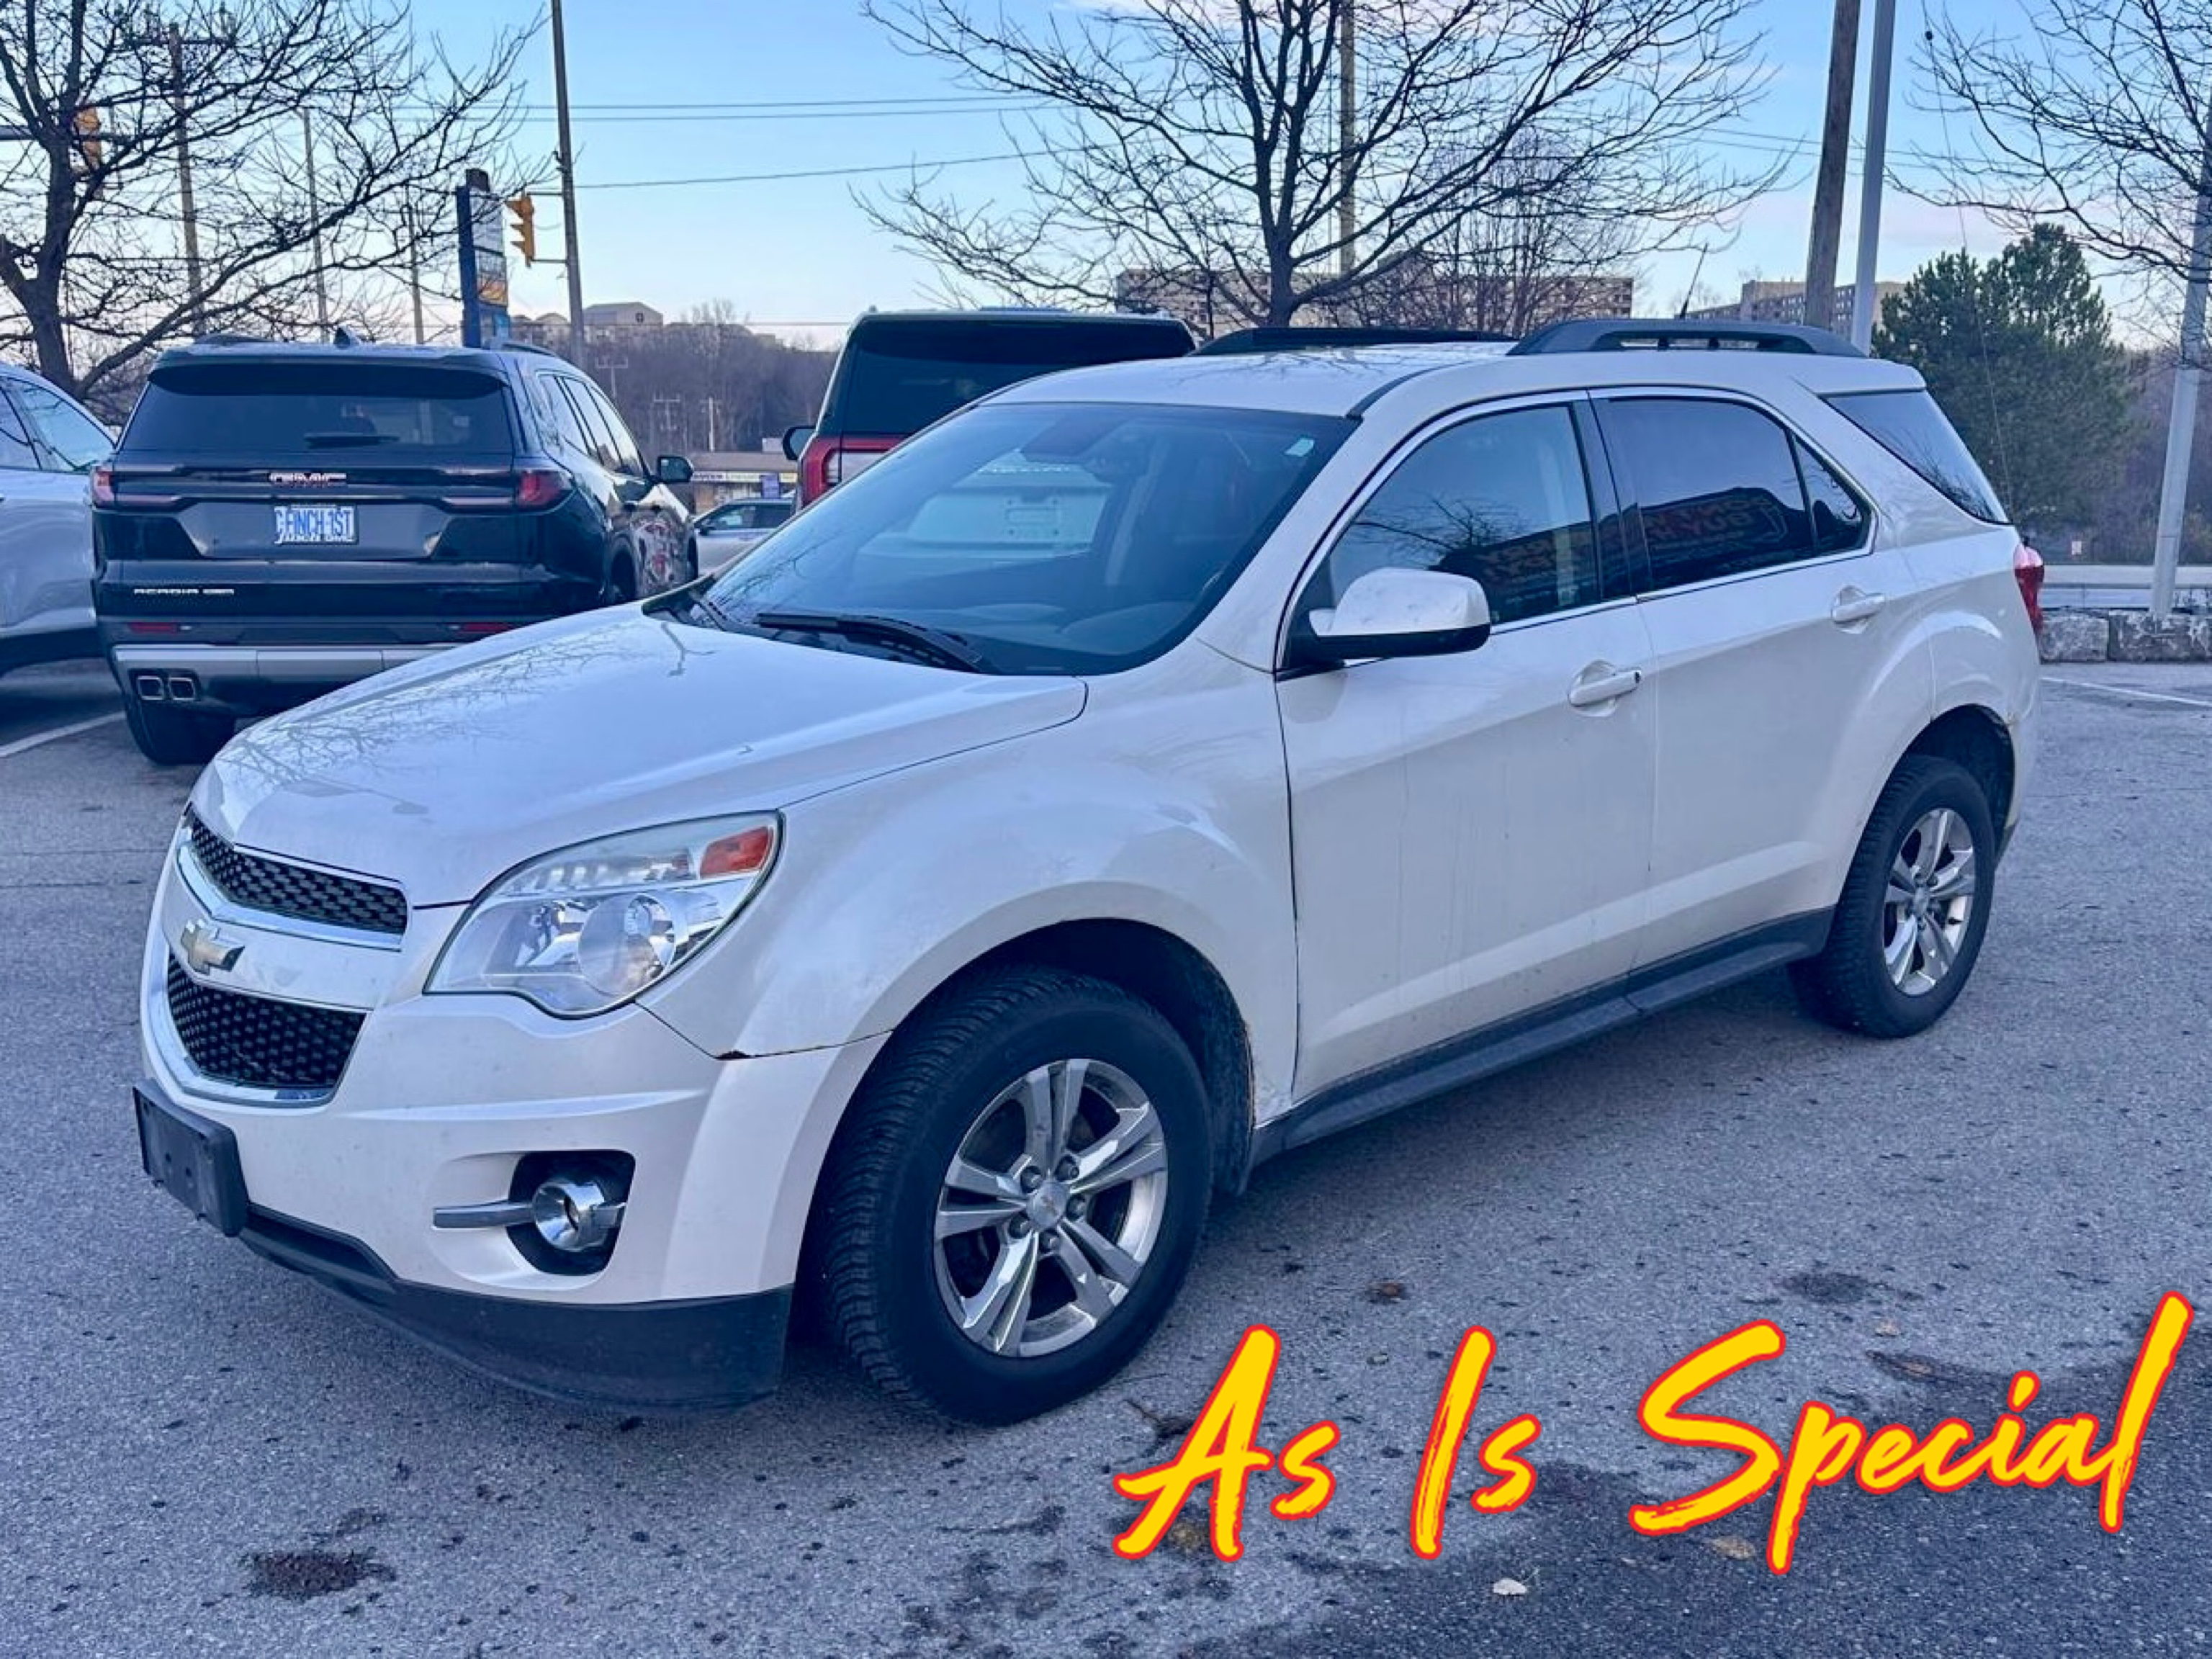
{"x":90,"y":148}
{"x":526,"y":226}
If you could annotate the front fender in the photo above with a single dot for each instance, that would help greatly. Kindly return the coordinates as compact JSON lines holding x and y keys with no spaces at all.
{"x":885,"y":889}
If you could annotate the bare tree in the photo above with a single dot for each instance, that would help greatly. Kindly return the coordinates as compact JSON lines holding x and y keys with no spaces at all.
{"x":101,"y":261}
{"x":1198,"y":143}
{"x":2101,"y":120}
{"x":2098,"y":116}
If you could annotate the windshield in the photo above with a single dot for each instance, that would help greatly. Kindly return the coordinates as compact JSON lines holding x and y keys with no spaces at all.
{"x":1046,"y":539}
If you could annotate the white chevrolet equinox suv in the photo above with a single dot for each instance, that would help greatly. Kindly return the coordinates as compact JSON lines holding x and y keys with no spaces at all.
{"x":1147,"y":770}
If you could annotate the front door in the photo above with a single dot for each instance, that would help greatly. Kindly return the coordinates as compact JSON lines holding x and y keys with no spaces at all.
{"x":1470,"y":834}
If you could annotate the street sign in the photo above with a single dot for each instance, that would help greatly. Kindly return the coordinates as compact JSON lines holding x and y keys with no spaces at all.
{"x":483,"y":261}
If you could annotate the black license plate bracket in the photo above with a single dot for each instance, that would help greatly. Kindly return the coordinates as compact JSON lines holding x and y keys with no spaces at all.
{"x":194,"y":1159}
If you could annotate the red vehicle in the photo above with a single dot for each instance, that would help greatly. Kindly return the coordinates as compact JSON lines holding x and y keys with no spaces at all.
{"x":900,"y":371}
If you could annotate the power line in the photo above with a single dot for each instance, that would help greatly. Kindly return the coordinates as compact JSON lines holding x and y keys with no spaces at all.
{"x":808,"y":173}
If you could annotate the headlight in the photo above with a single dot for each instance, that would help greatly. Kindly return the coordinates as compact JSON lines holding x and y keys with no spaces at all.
{"x":585,"y":929}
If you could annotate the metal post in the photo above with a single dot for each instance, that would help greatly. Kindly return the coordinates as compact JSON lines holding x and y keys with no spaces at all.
{"x":315,"y":220}
{"x":195,"y":315}
{"x":1347,"y":122}
{"x":567,"y":165}
{"x":1870,"y":181}
{"x":2181,"y":426}
{"x":414,"y":266}
{"x":1835,"y":154}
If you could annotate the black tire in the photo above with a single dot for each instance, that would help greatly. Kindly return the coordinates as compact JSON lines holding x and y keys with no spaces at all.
{"x":1850,"y":984}
{"x":175,"y":736}
{"x":622,"y":579}
{"x":878,"y":1266}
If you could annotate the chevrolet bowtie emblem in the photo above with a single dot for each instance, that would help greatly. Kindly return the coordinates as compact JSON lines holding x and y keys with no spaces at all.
{"x":206,"y":951}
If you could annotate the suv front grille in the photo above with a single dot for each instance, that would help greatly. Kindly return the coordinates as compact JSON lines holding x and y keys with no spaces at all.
{"x":293,"y":890}
{"x":257,"y":1041}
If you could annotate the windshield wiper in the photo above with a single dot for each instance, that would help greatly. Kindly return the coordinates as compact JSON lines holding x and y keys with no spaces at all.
{"x":946,"y":650}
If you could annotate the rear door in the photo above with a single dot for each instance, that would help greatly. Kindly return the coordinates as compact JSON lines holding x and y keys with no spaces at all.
{"x":47,"y":446}
{"x":317,"y":486}
{"x":1776,"y":620}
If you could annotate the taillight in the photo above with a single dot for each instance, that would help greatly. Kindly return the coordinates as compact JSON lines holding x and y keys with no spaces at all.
{"x":2027,"y":571}
{"x":540,"y":486}
{"x":814,"y":479}
{"x":103,"y":486}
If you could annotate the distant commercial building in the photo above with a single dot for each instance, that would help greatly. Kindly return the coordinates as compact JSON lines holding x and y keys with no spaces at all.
{"x":615,"y":321}
{"x":1784,"y":302}
{"x":724,"y":475}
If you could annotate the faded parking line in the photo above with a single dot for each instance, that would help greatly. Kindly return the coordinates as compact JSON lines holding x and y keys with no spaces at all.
{"x":2130,"y":693}
{"x":23,"y":745}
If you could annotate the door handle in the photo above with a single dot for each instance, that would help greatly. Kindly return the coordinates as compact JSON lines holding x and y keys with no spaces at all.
{"x":1602,"y":683}
{"x":1852,"y":605}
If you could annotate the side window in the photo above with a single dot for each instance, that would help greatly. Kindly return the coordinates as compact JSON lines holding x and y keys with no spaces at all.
{"x":1716,"y":483}
{"x":627,"y":459}
{"x":72,"y":440}
{"x":1502,"y":498}
{"x":555,"y":418}
{"x":597,"y":439}
{"x":1839,"y":518}
{"x":15,"y":449}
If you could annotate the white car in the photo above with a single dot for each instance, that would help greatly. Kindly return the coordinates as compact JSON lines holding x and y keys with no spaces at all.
{"x":721,"y":533}
{"x":49,"y":445}
{"x":1147,"y":770}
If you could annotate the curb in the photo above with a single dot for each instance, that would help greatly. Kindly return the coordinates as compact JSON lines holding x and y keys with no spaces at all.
{"x":2125,"y":636}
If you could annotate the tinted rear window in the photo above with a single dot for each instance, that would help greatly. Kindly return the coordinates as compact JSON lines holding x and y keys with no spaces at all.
{"x":1909,"y":425}
{"x":370,"y":411}
{"x":895,"y":377}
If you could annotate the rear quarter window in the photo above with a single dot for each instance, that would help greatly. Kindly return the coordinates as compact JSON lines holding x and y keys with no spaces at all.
{"x":1909,"y":425}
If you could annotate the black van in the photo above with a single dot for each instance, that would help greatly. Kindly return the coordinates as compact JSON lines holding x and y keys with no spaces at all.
{"x":903,"y":370}
{"x":280,"y":519}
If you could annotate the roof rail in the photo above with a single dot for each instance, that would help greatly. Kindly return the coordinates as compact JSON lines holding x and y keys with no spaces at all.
{"x":509,"y":344}
{"x":1245,"y":341}
{"x":1683,"y":334}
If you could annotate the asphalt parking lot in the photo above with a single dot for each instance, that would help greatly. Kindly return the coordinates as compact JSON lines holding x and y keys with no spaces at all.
{"x":205,"y":1454}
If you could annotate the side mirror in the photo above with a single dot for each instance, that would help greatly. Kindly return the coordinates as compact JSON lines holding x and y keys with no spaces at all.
{"x":672,"y":470}
{"x":1394,"y":613}
{"x":795,"y":440}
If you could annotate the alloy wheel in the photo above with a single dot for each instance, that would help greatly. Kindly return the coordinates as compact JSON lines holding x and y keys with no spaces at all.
{"x":1929,"y":902}
{"x":1050,"y":1208}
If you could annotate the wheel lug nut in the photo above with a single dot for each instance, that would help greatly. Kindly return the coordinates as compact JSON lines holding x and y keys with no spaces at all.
{"x":1018,"y":1228}
{"x":1031,"y":1179}
{"x":1068,"y":1170}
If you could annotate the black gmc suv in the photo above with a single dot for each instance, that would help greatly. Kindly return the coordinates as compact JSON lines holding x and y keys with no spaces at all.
{"x":280,"y":519}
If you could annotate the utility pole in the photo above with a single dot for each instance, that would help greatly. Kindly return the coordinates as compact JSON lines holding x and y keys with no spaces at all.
{"x":1347,"y":122}
{"x":567,"y":162}
{"x":2188,"y":378}
{"x":414,"y":264}
{"x":315,"y":222}
{"x":1877,"y":158}
{"x":1835,"y":155}
{"x":174,"y":39}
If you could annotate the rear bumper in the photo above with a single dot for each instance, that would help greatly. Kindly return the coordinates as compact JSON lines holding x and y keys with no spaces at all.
{"x":248,"y":678}
{"x":716,"y":1351}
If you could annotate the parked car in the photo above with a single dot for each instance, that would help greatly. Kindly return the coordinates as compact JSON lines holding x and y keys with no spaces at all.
{"x":49,"y":445}
{"x":721,"y":534}
{"x":900,"y":370}
{"x":281,"y":519}
{"x":1147,"y":771}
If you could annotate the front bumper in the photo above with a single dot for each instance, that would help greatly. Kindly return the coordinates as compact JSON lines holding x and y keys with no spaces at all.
{"x":440,"y":1100}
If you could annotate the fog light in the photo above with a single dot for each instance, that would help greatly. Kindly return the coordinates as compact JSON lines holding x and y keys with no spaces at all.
{"x":575,"y":1215}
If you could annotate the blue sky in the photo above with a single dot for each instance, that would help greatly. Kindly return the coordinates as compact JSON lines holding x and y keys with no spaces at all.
{"x":660,"y":86}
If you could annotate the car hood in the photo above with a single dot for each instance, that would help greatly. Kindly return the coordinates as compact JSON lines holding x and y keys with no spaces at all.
{"x":445,"y":774}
